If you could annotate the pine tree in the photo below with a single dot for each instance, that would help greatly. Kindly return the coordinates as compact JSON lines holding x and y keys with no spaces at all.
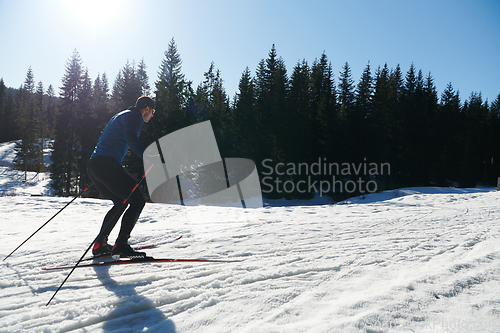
{"x":86,"y":133}
{"x":395,"y":127}
{"x":361,"y":110}
{"x":324,"y":109}
{"x":101,"y":101}
{"x":477,"y":149}
{"x":142,"y":77}
{"x":8,"y":119}
{"x":262,"y":133}
{"x":211,"y":95}
{"x":346,"y":91}
{"x":495,"y":106}
{"x":346,"y":99}
{"x":271,"y":87}
{"x":413,"y":121}
{"x":51,"y":111}
{"x":171,"y":93}
{"x":24,"y":105}
{"x":64,"y":169}
{"x":450,"y":136}
{"x":429,"y":148}
{"x":116,"y":102}
{"x":126,"y":89}
{"x":130,"y":86}
{"x":3,"y":112}
{"x":28,"y":151}
{"x":41,"y":114}
{"x":396,"y":83}
{"x":380,"y":147}
{"x":245,"y":120}
{"x":299,"y":122}
{"x":495,"y":119}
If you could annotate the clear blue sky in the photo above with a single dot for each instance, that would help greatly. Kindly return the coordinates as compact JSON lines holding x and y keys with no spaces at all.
{"x":457,"y":41}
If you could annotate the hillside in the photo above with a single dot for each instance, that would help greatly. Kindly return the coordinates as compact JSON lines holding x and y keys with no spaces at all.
{"x":17,"y":182}
{"x":412,"y":260}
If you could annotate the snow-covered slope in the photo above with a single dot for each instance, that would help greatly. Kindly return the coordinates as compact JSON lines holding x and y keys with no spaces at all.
{"x":423,"y":262}
{"x":412,"y":260}
{"x":16,"y":182}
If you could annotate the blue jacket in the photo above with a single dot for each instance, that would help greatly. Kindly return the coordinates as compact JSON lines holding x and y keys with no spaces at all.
{"x":120,"y":135}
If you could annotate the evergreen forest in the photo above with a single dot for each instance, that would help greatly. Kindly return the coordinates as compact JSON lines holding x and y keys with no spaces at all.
{"x":312,"y":113}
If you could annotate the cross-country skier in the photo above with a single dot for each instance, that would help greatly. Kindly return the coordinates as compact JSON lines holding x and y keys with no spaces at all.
{"x":105,"y":170}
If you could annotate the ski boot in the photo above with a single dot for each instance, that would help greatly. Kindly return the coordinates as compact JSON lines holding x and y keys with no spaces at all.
{"x":123,"y":250}
{"x":101,"y":247}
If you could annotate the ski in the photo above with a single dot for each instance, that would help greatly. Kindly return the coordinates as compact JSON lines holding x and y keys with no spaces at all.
{"x":158,"y":244}
{"x":139,"y":261}
{"x":135,"y":249}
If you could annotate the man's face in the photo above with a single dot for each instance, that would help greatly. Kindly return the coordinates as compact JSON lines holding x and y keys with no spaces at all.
{"x":148,"y":114}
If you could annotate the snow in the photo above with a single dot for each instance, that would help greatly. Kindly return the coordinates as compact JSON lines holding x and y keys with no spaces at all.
{"x":411,"y":260}
{"x":17,"y":182}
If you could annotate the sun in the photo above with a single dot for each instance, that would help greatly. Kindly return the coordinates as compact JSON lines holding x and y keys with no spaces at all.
{"x":93,"y":16}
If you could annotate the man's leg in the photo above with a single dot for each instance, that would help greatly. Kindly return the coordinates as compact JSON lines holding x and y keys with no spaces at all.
{"x":116,"y":184}
{"x":131,"y":216}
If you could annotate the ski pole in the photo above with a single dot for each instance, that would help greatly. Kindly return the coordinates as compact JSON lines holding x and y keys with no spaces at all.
{"x":95,"y":240}
{"x":79,"y":194}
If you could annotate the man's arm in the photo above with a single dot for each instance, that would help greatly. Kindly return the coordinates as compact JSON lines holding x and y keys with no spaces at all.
{"x":132,"y":131}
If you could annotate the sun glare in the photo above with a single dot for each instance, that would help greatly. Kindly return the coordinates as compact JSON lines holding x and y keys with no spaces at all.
{"x":93,"y":16}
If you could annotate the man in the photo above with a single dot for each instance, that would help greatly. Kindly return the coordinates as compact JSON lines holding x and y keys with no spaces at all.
{"x":105,"y":170}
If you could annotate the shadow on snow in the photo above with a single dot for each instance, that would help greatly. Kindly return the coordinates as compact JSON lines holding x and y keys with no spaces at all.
{"x":132,"y":312}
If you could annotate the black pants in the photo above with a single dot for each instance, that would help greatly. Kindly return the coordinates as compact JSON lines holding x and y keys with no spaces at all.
{"x":116,"y":184}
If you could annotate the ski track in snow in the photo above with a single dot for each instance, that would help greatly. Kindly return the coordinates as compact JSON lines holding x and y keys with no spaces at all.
{"x":424,"y":261}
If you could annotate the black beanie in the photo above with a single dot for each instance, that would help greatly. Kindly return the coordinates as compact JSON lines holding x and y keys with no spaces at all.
{"x":143,"y":102}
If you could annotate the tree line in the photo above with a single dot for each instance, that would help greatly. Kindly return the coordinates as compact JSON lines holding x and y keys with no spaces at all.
{"x":304,"y":117}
